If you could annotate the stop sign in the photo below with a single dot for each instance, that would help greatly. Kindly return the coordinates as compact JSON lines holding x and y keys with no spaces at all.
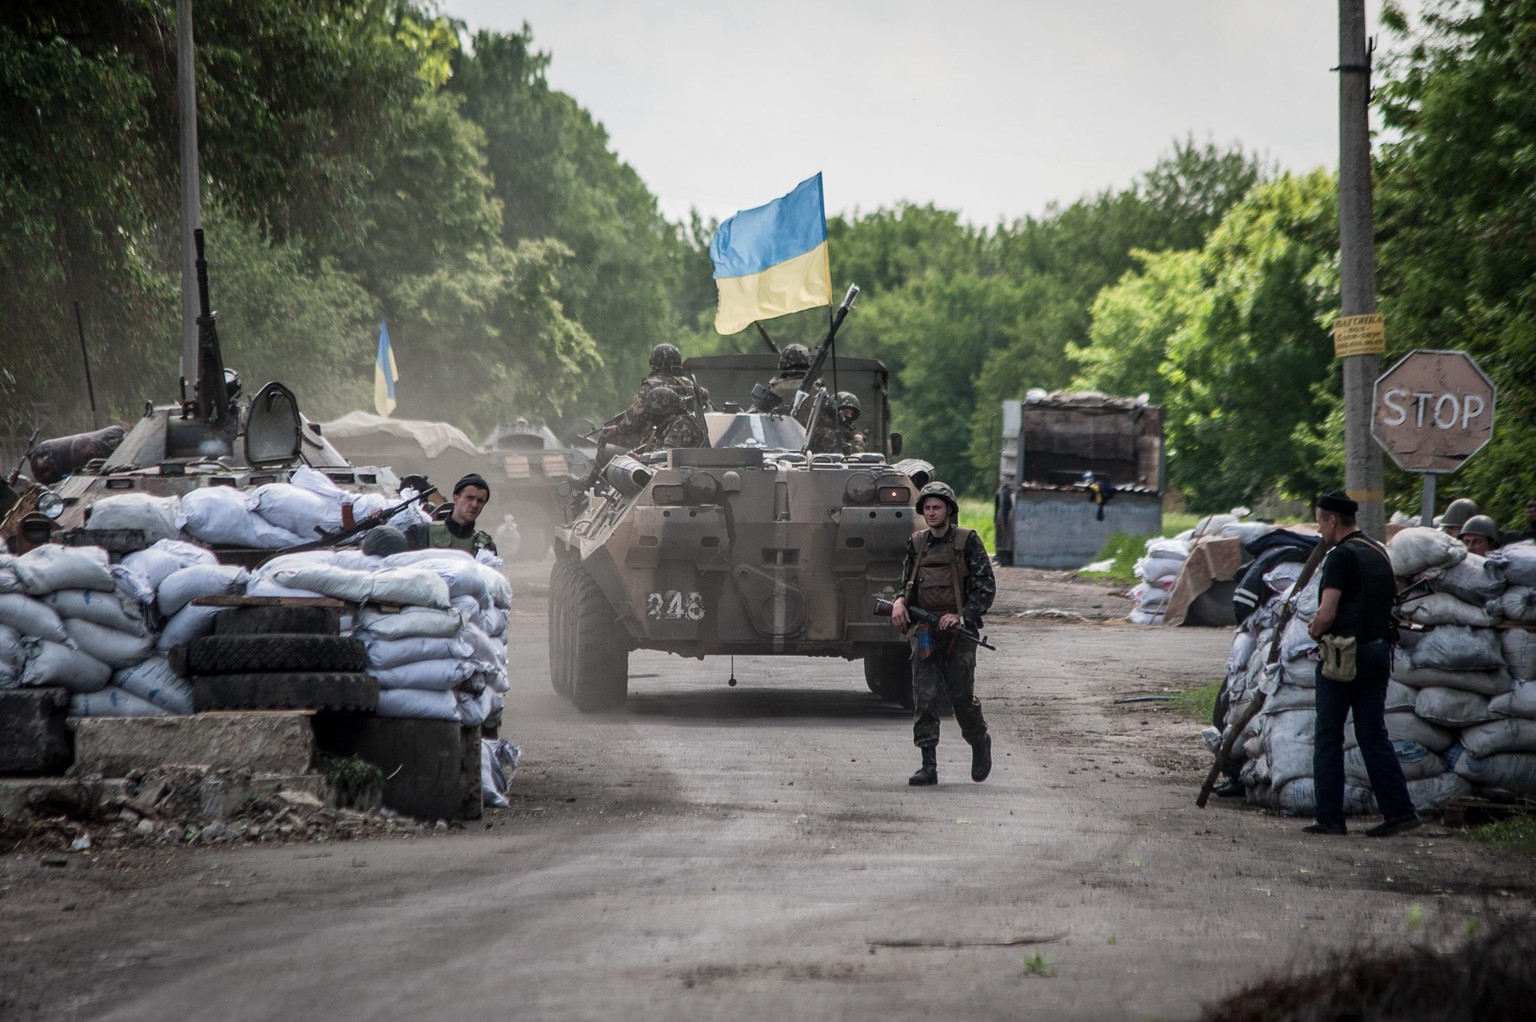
{"x":1433,"y":410}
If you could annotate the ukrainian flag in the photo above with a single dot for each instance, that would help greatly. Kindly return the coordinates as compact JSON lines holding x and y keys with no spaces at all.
{"x":384,"y":374}
{"x":772,"y":260}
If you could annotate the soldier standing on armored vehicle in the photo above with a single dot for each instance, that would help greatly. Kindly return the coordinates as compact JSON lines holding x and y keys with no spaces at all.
{"x":947,"y":573}
{"x":634,"y":425}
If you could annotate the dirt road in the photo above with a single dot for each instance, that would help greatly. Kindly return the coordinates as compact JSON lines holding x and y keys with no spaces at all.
{"x":754,"y":852}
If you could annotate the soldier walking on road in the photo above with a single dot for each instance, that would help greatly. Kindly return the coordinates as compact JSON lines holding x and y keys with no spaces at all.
{"x":947,"y":572}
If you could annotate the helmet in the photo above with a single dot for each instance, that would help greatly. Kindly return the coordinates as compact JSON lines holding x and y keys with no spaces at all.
{"x":847,"y":400}
{"x":1457,"y":514}
{"x":665,"y":358}
{"x":660,"y":401}
{"x":943,"y":492}
{"x":1481,"y":525}
{"x":795,"y":356}
{"x":383,"y":540}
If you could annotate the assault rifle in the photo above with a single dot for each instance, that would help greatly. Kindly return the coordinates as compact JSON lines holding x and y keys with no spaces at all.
{"x":883,"y":608}
{"x":15,"y":475}
{"x":347,"y":532}
{"x":766,"y":400}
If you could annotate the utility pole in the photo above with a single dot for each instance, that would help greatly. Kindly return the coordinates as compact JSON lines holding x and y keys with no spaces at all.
{"x":186,"y":102}
{"x":1361,"y":359}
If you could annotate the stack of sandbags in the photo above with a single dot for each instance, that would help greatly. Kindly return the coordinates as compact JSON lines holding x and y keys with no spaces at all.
{"x":49,"y":654}
{"x":310,"y":501}
{"x":1158,"y":570}
{"x":470,"y":660}
{"x":153,"y":517}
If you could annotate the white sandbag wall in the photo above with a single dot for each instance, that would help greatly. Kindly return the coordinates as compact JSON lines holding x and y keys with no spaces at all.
{"x":1158,"y":571}
{"x":1461,"y":707}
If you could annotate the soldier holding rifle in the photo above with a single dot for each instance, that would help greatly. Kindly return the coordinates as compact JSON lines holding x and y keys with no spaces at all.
{"x":947,"y":573}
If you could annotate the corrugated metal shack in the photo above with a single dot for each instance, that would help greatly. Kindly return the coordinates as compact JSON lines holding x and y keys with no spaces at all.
{"x":1076,"y":467}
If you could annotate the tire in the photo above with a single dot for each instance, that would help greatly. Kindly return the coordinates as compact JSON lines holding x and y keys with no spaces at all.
{"x":304,"y":690}
{"x":287,"y":620}
{"x":245,"y":654}
{"x":562,"y":577}
{"x":888,"y":673}
{"x":591,"y":647}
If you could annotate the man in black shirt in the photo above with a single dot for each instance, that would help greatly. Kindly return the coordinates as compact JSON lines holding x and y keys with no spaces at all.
{"x":1357,"y":593}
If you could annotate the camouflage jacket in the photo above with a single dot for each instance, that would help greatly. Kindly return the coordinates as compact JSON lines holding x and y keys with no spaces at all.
{"x":634,"y":423}
{"x":440,"y":534}
{"x":980,"y":585}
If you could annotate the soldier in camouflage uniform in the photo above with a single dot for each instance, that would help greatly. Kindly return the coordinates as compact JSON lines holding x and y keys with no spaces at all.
{"x":456,"y":526}
{"x":835,"y":430}
{"x":947,"y":572}
{"x":635,"y":425}
{"x":794,"y":363}
{"x":668,"y":423}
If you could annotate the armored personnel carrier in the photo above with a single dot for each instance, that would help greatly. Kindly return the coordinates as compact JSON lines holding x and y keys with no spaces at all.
{"x":752,"y":545}
{"x":526,"y":464}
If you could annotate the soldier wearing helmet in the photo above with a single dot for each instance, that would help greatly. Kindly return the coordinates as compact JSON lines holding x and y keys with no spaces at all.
{"x":948,"y":573}
{"x":835,"y":429}
{"x":1480,"y":534}
{"x":668,"y":422}
{"x":794,"y":363}
{"x":1456,"y":515}
{"x":635,"y":426}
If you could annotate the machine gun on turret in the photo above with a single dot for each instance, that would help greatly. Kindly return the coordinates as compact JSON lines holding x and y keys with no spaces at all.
{"x":212,"y":398}
{"x":767,"y":400}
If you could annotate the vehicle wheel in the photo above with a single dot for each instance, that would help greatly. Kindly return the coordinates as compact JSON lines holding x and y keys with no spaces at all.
{"x":535,"y":526}
{"x":270,"y":620}
{"x":244,"y":654}
{"x":888,"y":673}
{"x":594,"y":648}
{"x":562,"y":578}
{"x":300,"y":690}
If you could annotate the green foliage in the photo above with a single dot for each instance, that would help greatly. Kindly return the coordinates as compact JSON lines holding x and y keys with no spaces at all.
{"x":977,"y":515}
{"x":1125,"y":550}
{"x":1198,"y":703}
{"x":1516,"y":834}
{"x":1037,"y":965}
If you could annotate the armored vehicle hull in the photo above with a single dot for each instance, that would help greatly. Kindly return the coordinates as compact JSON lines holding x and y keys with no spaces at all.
{"x":750,"y":546}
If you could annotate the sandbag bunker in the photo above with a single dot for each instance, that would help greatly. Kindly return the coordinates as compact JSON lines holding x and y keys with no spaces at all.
{"x":1461,"y":705}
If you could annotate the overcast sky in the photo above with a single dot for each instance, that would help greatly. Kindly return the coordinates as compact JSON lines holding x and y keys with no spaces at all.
{"x":993,"y":109}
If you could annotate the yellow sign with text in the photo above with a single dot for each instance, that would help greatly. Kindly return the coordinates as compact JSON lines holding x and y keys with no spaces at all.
{"x":1359,"y":335}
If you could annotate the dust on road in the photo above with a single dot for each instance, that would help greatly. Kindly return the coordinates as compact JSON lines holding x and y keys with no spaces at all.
{"x":755,"y":851}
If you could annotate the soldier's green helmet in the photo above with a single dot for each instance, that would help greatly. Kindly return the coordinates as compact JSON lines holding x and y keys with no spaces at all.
{"x":848,"y":400}
{"x":665,"y":358}
{"x":660,"y":401}
{"x":1461,"y":509}
{"x":1481,"y":525}
{"x":795,"y":356}
{"x":943,"y":492}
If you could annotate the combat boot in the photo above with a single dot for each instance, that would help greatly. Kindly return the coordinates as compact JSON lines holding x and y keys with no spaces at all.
{"x":981,"y":759}
{"x":928,"y":773}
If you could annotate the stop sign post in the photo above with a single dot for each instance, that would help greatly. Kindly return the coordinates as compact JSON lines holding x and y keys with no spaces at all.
{"x":1431,"y":412}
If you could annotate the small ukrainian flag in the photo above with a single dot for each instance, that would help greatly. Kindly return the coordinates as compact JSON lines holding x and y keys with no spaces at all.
{"x":384,"y":374}
{"x":772,"y":260}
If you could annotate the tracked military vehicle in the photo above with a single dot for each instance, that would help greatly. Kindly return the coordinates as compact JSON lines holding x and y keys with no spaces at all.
{"x":752,"y":545}
{"x":525,"y":463}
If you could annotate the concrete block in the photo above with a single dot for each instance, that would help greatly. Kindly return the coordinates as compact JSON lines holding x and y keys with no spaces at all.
{"x":259,"y":742}
{"x":431,"y":767}
{"x":223,"y":796}
{"x":34,"y":733}
{"x":21,"y":797}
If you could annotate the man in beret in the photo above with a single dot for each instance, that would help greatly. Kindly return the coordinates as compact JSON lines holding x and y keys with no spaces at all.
{"x":1357,"y":591}
{"x":457,"y":528}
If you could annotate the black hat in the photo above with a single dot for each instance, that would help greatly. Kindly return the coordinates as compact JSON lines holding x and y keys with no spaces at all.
{"x":1338,"y":502}
{"x":384,"y":540}
{"x":473,"y":479}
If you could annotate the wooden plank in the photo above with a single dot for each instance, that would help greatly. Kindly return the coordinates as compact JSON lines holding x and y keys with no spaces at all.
{"x":267,"y":601}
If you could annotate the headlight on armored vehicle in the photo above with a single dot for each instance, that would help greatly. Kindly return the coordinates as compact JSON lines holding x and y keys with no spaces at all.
{"x":50,"y":504}
{"x":895,"y":495}
{"x":860,"y":489}
{"x":701,"y":488}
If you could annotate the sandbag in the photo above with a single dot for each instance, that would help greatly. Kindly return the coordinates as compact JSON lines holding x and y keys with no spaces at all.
{"x":218,"y":515}
{"x":29,"y":617}
{"x":1416,"y":762}
{"x":52,"y":664}
{"x":133,"y":590}
{"x":1296,"y":644}
{"x":1471,"y":579}
{"x":1430,"y":794}
{"x":1299,"y":798}
{"x":1452,"y":708}
{"x":295,"y":509}
{"x":1519,"y":648}
{"x":153,"y":517}
{"x":417,"y":704}
{"x":408,"y":586}
{"x":260,"y":585}
{"x":1459,"y":648}
{"x":498,"y":765}
{"x":464,"y":576}
{"x":113,"y":702}
{"x":1158,"y":568}
{"x":105,"y":609}
{"x":473,"y":707}
{"x":493,"y":622}
{"x":1516,"y":562}
{"x":1521,"y":702}
{"x":183,"y":586}
{"x":1440,"y":608}
{"x":153,"y":681}
{"x":385,"y":653}
{"x":1301,"y":672}
{"x":10,"y":648}
{"x":114,"y":648}
{"x":433,"y":675}
{"x":1400,"y":698}
{"x":1508,"y":734}
{"x":164,"y":557}
{"x":1514,"y":772}
{"x":188,"y":623}
{"x":1288,"y":745}
{"x":490,"y":652}
{"x":412,"y":586}
{"x":407,"y":621}
{"x":1517,"y":603}
{"x":49,"y":567}
{"x":1487,"y":683}
{"x":1420,"y":548}
{"x":9,"y":583}
{"x":1410,"y":727}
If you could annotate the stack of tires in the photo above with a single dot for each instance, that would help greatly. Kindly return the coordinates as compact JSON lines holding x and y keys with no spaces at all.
{"x":280,"y":658}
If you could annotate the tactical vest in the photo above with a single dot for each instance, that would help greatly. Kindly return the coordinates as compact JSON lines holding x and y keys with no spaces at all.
{"x":939,"y":571}
{"x":438,"y":535}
